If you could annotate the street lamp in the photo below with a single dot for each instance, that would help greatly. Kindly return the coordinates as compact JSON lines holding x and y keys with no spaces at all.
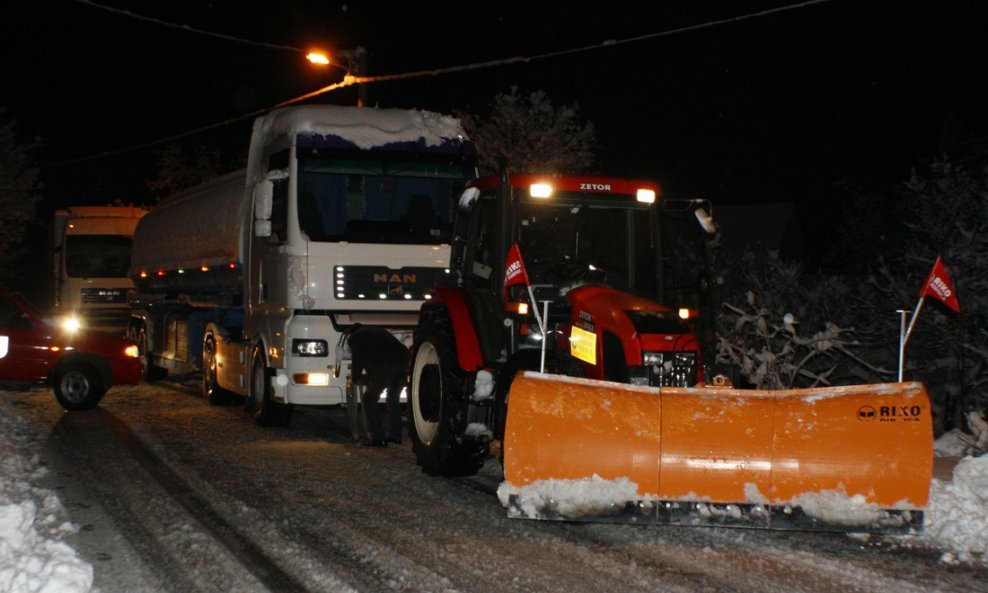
{"x":354,"y":63}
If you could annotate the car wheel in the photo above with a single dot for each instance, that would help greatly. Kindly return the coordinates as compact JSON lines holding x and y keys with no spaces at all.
{"x":78,"y":386}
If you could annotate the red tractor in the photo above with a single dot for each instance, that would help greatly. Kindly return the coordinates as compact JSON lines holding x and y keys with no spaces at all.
{"x":551,"y":273}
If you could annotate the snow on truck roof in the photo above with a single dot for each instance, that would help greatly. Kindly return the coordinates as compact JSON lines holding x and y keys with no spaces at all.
{"x":365,"y":127}
{"x":207,"y":225}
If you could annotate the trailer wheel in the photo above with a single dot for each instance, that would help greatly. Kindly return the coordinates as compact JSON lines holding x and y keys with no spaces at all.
{"x":78,"y":386}
{"x":437,"y":404}
{"x":149,"y":372}
{"x":267,"y":412}
{"x":211,"y":390}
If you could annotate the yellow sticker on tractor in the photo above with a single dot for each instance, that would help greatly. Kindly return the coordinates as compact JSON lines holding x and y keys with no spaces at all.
{"x":583,"y":345}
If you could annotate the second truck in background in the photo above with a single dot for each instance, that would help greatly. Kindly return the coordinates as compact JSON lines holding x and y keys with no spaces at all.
{"x":90,"y":257}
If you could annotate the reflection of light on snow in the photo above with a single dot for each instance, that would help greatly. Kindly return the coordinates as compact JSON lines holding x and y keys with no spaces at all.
{"x":33,"y":556}
{"x":838,"y":508}
{"x":753,"y":495}
{"x":571,"y":498}
{"x":478,"y":430}
{"x":483,"y":386}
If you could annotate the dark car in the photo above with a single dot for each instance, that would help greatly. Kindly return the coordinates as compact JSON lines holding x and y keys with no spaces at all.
{"x":79,"y":365}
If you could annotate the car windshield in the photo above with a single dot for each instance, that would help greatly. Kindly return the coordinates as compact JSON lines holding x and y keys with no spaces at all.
{"x":574,"y":237}
{"x":373,"y":201}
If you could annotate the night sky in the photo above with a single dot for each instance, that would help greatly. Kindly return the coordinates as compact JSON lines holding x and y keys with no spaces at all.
{"x":775,"y":108}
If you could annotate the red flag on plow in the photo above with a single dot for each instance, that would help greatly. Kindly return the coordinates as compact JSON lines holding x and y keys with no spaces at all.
{"x":938,"y":286}
{"x":514,"y":269}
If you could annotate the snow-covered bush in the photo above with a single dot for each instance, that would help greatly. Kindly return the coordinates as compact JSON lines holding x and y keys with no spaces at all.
{"x":785,"y":328}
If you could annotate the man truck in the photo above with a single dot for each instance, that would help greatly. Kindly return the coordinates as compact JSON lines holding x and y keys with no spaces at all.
{"x":90,"y":257}
{"x":342,"y":216}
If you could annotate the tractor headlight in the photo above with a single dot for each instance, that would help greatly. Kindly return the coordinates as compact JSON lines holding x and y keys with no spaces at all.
{"x":310,"y":348}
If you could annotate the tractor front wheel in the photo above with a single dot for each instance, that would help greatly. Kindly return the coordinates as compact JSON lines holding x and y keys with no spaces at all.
{"x":438,"y":405}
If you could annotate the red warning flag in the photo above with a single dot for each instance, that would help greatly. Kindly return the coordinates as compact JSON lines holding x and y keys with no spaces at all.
{"x":514,"y":269}
{"x":939,"y":287}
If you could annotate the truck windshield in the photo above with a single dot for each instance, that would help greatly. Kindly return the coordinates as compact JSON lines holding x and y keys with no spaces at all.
{"x":97,"y":256}
{"x":585,"y":238}
{"x":375,"y":201}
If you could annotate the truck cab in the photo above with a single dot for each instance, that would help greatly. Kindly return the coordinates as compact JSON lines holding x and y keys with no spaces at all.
{"x":91,"y":247}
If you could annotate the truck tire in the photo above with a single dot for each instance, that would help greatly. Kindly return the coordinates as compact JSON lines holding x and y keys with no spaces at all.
{"x":211,"y":390}
{"x":78,"y":386}
{"x":149,"y":373}
{"x":437,"y":404}
{"x":266,"y":411}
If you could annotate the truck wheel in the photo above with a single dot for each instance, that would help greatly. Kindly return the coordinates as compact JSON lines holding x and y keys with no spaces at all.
{"x":211,"y":390}
{"x":78,"y":386}
{"x":267,"y":412}
{"x":149,"y":372}
{"x":437,"y":406}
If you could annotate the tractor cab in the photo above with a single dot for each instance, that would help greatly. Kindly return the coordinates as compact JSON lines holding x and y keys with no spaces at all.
{"x":574,"y":258}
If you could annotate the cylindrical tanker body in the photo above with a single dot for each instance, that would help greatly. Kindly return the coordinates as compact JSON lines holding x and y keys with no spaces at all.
{"x":195,"y":244}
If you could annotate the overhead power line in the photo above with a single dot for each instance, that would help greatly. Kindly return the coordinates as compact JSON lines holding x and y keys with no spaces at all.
{"x":187,"y":28}
{"x":350,"y":80}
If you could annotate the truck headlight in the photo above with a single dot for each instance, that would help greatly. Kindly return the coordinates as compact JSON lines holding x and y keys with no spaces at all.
{"x":310,"y":348}
{"x":317,"y":379}
{"x":71,"y":323}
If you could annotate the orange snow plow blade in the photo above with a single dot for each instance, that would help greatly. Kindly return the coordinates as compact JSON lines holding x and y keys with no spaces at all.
{"x":853,"y":458}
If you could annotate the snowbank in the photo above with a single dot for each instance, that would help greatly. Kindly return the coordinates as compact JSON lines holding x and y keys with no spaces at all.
{"x":957,"y":516}
{"x":33,"y":557}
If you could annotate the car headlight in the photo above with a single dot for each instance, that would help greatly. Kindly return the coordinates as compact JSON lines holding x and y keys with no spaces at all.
{"x":310,"y":348}
{"x":132,"y":351}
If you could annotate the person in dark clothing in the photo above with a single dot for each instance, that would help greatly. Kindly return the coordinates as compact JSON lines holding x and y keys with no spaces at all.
{"x":376,"y":352}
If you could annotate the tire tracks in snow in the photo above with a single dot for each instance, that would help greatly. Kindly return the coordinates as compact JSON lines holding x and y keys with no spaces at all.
{"x":132,"y":521}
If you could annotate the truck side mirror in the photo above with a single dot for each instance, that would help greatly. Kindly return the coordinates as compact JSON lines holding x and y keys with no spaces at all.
{"x":468,"y":199}
{"x":706,"y":221}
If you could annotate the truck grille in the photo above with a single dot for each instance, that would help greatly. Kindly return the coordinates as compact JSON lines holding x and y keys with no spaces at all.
{"x":112,"y":320}
{"x":373,"y":283}
{"x":104,"y":295}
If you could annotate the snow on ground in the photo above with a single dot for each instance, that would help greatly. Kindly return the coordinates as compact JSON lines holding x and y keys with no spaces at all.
{"x":34,"y":557}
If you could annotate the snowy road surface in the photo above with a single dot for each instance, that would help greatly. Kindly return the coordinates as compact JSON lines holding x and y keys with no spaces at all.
{"x":167,"y":493}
